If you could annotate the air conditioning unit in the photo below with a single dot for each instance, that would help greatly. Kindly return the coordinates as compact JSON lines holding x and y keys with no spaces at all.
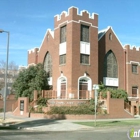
{"x":71,"y":96}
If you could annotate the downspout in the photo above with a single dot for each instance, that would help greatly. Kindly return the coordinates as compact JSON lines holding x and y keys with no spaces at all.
{"x":124,"y":69}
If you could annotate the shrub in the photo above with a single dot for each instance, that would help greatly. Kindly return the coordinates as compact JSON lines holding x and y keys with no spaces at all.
{"x":85,"y":108}
{"x":121,"y":94}
{"x":104,"y":95}
{"x":42,"y":101}
{"x":31,"y":109}
{"x":39,"y":109}
{"x":115,"y":93}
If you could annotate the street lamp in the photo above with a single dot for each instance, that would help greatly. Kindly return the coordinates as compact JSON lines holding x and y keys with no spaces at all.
{"x":6,"y":68}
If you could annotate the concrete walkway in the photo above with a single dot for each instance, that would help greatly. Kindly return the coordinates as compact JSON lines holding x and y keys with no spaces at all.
{"x":18,"y":122}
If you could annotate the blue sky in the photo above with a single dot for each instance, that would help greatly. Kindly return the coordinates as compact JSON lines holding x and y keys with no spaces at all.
{"x":28,"y":20}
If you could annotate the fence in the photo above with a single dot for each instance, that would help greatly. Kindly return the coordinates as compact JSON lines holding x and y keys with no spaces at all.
{"x":66,"y":94}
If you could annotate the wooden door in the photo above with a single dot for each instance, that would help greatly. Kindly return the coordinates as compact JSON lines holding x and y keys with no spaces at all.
{"x":82,"y":90}
{"x":63,"y":90}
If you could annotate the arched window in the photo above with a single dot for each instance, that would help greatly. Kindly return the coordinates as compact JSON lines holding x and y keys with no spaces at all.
{"x":110,"y":65}
{"x":110,"y":36}
{"x":48,"y":64}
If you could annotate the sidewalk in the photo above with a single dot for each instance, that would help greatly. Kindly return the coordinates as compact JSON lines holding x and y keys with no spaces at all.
{"x":18,"y":122}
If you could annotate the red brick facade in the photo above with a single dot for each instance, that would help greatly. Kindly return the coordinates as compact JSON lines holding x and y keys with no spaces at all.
{"x":100,"y":43}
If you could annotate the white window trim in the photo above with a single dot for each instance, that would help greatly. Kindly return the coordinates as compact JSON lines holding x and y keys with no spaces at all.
{"x":59,"y":85}
{"x":84,"y":47}
{"x":62,"y":48}
{"x":89,"y":83}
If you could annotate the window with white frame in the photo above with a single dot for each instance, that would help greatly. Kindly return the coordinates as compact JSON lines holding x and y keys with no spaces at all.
{"x":62,"y":45}
{"x":84,"y":45}
{"x":134,"y":68}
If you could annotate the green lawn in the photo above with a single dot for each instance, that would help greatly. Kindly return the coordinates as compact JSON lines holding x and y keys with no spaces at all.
{"x":111,"y":123}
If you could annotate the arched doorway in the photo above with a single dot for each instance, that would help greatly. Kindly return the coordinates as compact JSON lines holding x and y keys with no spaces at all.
{"x":84,"y":86}
{"x":61,"y":87}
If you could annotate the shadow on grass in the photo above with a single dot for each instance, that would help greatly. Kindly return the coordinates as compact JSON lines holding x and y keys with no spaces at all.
{"x":115,"y":121}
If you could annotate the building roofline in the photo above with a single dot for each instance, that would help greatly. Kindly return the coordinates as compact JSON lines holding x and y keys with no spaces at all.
{"x":52,"y":34}
{"x":105,"y":31}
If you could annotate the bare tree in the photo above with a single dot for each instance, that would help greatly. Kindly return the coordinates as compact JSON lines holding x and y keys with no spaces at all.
{"x":11,"y":73}
{"x":12,"y":68}
{"x":1,"y":83}
{"x":2,"y":66}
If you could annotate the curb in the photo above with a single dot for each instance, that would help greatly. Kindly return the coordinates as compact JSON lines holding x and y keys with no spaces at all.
{"x":9,"y":127}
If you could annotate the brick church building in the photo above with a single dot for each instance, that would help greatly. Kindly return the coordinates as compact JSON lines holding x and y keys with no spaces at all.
{"x":76,"y":55}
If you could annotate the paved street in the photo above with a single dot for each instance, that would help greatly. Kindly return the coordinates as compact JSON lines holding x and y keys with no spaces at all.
{"x":45,"y":129}
{"x":65,"y":135}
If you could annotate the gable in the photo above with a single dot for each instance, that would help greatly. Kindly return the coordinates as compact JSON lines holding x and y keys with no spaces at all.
{"x":104,"y":32}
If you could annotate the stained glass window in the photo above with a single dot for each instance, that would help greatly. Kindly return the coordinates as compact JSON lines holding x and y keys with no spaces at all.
{"x":48,"y":64}
{"x":110,"y":65}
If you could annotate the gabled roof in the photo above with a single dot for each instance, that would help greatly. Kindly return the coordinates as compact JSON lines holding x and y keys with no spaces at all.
{"x":101,"y":33}
{"x":52,"y":34}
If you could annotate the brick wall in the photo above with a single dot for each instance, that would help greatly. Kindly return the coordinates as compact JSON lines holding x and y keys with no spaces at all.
{"x":72,"y":69}
{"x":104,"y":46}
{"x":25,"y":111}
{"x":33,"y":56}
{"x":75,"y":117}
{"x":116,"y":109}
{"x":8,"y":104}
{"x":133,"y":79}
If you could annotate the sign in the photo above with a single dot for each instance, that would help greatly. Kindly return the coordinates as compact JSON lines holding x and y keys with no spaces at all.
{"x":95,"y":86}
{"x":21,"y":105}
